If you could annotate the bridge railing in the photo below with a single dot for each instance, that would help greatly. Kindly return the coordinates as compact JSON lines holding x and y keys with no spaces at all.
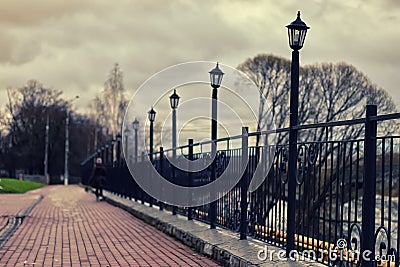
{"x":347,"y":188}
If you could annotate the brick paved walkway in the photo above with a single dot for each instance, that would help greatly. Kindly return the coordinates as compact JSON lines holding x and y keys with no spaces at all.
{"x":69,"y":228}
{"x":12,"y":204}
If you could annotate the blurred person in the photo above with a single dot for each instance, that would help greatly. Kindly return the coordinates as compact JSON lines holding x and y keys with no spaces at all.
{"x":98,"y":179}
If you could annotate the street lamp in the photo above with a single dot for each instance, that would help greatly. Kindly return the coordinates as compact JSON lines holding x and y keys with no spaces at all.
{"x":67,"y":141}
{"x":216,"y":75}
{"x":135,"y":125}
{"x":126,"y":133}
{"x":174,"y":102}
{"x":152,"y":117}
{"x":297,"y":33}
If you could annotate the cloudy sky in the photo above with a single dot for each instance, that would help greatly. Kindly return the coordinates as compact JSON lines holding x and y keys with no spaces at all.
{"x":72,"y":45}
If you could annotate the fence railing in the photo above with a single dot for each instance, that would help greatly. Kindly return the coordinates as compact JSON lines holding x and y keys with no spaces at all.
{"x":345,"y":189}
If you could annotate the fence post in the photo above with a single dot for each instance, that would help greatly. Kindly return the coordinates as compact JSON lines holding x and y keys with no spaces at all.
{"x":112,"y":153}
{"x":151,"y":172}
{"x":135,"y":188}
{"x":244,"y":184}
{"x":107,"y":155}
{"x":118,"y":154}
{"x":160,"y":204}
{"x":142,"y":193}
{"x":103,"y":154}
{"x":190,"y":177}
{"x":369,"y":185}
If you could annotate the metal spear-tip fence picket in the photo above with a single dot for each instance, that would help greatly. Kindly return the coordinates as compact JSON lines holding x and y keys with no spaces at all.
{"x":345,"y":190}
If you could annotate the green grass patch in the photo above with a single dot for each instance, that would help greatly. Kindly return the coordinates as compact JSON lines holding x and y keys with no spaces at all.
{"x":16,"y":186}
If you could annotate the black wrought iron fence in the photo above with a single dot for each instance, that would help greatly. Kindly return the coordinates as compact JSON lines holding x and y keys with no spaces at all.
{"x":345,"y":190}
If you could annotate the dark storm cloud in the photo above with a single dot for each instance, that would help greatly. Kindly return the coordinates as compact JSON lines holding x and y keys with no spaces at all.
{"x":27,"y":13}
{"x":72,"y":45}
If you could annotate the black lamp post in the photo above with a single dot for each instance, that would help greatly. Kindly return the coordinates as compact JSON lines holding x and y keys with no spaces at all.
{"x":135,"y":125}
{"x":174,"y":102}
{"x":152,"y":117}
{"x":126,"y":134}
{"x":297,"y":31}
{"x":216,"y":75}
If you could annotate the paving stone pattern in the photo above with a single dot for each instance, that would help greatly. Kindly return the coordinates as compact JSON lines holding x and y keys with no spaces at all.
{"x":69,"y":228}
{"x":14,"y":204}
{"x":221,"y":245}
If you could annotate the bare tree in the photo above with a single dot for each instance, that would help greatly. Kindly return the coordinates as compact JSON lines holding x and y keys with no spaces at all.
{"x":327,"y":92}
{"x":109,"y":107}
{"x":97,"y":113}
{"x":27,"y":109}
{"x":271,"y":74}
{"x":24,"y":123}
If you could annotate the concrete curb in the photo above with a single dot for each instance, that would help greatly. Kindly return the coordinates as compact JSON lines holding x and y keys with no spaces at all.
{"x":221,"y":245}
{"x":213,"y":251}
